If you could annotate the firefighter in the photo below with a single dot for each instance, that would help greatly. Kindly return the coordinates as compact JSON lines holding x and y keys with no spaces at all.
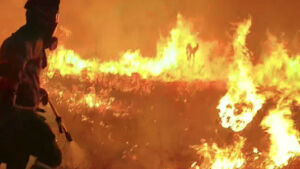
{"x":22,"y":57}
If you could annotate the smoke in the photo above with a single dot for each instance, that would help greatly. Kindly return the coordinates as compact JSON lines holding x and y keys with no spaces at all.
{"x":12,"y":16}
{"x":154,"y":135}
{"x":110,"y":27}
{"x":103,"y":29}
{"x":75,"y":157}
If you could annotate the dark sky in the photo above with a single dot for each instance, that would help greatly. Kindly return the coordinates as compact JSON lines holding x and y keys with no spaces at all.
{"x":109,"y":27}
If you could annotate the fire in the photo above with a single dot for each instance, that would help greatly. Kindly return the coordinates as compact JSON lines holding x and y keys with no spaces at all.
{"x":174,"y":60}
{"x":221,"y":158}
{"x":279,"y":68}
{"x":92,"y":100}
{"x":183,"y":56}
{"x":241,"y":103}
{"x":279,"y":77}
{"x":284,"y":137}
{"x":67,"y":62}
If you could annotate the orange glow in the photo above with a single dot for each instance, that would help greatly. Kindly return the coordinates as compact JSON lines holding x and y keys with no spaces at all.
{"x":185,"y":57}
{"x":241,"y":102}
{"x":171,"y":62}
{"x":284,"y":137}
{"x":221,"y":158}
{"x":67,"y":62}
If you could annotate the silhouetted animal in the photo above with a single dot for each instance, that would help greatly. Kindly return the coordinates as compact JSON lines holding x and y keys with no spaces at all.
{"x":191,"y":51}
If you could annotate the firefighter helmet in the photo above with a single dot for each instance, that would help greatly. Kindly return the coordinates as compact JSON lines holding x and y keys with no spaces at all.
{"x":43,"y":5}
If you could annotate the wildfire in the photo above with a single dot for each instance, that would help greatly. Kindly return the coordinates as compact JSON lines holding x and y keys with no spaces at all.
{"x":279,"y":69}
{"x":177,"y":58}
{"x":221,"y":158}
{"x":241,"y":103}
{"x":184,"y":56}
{"x":67,"y":62}
{"x":284,"y":137}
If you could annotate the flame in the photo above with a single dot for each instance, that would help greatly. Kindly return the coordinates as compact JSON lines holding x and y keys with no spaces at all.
{"x":67,"y":62}
{"x":241,"y":102}
{"x":221,"y":158}
{"x":184,"y":56}
{"x":279,"y":77}
{"x":284,"y":137}
{"x":174,"y":60}
{"x":279,"y":68}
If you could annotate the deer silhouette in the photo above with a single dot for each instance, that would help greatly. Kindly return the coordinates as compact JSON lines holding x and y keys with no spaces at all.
{"x":191,"y":51}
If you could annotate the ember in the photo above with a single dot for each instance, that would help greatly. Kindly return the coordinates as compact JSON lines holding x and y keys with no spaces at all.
{"x":200,"y":98}
{"x":92,"y":88}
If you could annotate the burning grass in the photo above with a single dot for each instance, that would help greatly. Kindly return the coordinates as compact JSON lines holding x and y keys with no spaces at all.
{"x":203,"y":106}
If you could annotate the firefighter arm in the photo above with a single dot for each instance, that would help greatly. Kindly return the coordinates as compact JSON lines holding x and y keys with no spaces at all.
{"x":11,"y":63}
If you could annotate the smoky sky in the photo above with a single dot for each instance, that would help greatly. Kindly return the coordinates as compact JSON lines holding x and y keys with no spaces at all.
{"x":106,"y":28}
